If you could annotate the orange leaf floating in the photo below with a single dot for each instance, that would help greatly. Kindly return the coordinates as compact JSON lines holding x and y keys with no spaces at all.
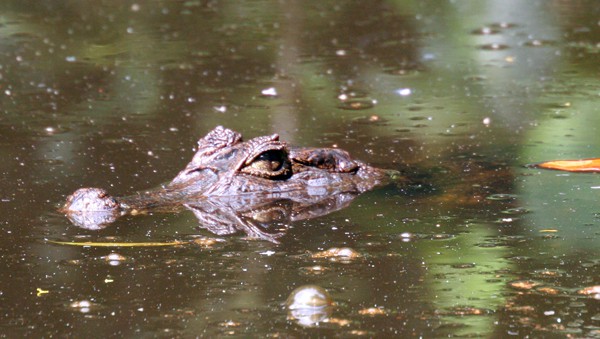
{"x":583,"y":165}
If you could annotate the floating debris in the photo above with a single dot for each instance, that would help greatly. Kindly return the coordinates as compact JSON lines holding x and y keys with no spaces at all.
{"x":548,"y":290}
{"x":117,"y":244}
{"x":523,"y":284}
{"x":582,"y":165}
{"x":464,"y":311}
{"x":593,"y":291}
{"x":373,"y":311}
{"x":335,"y":253}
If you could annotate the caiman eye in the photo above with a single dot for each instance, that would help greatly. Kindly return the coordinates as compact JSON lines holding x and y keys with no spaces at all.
{"x":269,"y":164}
{"x":270,"y":160}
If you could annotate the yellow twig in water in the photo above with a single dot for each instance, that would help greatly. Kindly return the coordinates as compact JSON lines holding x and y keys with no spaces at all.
{"x":41,"y":291}
{"x":118,"y":244}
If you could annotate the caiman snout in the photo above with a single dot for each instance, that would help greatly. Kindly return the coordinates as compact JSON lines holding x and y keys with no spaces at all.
{"x":90,"y":200}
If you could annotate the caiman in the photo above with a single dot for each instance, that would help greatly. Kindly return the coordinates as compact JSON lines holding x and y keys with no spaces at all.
{"x":229,"y":181}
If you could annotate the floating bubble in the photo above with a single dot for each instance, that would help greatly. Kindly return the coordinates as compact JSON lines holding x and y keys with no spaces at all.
{"x":114,"y":259}
{"x":309,"y":305}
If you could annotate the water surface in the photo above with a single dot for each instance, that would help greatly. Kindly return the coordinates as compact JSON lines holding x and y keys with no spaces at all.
{"x":456,"y":96}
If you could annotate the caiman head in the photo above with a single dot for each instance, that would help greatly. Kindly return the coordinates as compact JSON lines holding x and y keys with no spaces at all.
{"x":228,"y":169}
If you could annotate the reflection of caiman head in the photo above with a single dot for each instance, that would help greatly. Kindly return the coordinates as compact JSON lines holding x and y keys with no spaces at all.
{"x":229,"y":170}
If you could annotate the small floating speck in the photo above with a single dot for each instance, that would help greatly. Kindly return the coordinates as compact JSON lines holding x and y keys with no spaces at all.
{"x":404,"y":92}
{"x":372,"y":119}
{"x":406,"y":236}
{"x":441,"y":236}
{"x":465,"y":265}
{"x":351,"y":93}
{"x":71,"y":58}
{"x":485,"y":31}
{"x":314,"y":270}
{"x":502,"y":197}
{"x":503,"y":25}
{"x":493,"y":47}
{"x":269,"y":92}
{"x":357,"y":104}
{"x":539,"y":43}
{"x":516,"y":211}
{"x":82,"y":306}
{"x":420,"y":118}
{"x":220,"y":109}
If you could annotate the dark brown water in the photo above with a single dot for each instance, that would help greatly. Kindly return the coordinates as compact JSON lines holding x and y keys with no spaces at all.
{"x":458,"y":96}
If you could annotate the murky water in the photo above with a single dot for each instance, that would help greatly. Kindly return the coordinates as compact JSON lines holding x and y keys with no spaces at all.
{"x":457,"y":96}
